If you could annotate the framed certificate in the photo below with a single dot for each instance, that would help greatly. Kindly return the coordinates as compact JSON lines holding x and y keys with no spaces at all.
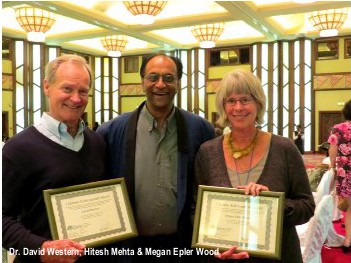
{"x":226,"y":217}
{"x":93,"y":214}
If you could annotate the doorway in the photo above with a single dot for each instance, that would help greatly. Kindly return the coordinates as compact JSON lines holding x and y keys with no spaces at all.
{"x":327,"y":119}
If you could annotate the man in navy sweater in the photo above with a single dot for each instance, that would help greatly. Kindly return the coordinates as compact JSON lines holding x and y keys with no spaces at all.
{"x":58,"y":151}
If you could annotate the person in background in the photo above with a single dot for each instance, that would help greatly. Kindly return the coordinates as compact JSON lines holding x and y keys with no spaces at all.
{"x":325,"y":147}
{"x":96,"y":125}
{"x":218,"y":131}
{"x":4,"y":140}
{"x":154,"y":148}
{"x":340,"y":160}
{"x":251,"y":159}
{"x":299,"y":139}
{"x":56,"y":152}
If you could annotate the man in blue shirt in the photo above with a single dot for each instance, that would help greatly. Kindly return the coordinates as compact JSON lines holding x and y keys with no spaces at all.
{"x":154,"y":149}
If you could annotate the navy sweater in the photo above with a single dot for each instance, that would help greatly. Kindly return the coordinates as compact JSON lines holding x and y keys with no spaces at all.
{"x":31,"y":164}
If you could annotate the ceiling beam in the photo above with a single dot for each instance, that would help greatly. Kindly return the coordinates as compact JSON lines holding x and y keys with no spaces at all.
{"x":294,"y":8}
{"x":185,"y":21}
{"x":6,"y":4}
{"x":250,"y":16}
{"x":8,"y":32}
{"x":58,"y":39}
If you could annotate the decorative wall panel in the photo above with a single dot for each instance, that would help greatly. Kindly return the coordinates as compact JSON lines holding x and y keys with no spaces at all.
{"x":333,"y":81}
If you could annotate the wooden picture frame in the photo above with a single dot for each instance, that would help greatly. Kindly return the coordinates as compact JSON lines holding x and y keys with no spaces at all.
{"x":327,"y":49}
{"x":93,"y":214}
{"x":131,"y":64}
{"x":226,"y":217}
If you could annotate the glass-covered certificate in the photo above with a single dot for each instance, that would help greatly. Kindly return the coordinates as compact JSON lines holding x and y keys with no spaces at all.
{"x":93,"y":214}
{"x":226,"y":217}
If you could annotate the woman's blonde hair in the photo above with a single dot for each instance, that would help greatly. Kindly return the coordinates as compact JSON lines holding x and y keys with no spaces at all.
{"x":240,"y":82}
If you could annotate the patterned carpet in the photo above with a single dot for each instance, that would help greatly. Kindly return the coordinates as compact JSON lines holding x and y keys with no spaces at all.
{"x":335,"y":254}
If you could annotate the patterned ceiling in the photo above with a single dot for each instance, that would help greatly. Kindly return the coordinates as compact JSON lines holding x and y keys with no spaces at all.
{"x":81,"y":23}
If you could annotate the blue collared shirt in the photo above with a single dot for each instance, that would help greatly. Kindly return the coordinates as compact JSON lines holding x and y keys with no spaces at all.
{"x":156,"y":175}
{"x":57,"y":132}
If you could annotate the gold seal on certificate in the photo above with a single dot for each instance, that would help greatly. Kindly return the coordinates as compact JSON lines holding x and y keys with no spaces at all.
{"x":226,"y":217}
{"x":94,"y":214}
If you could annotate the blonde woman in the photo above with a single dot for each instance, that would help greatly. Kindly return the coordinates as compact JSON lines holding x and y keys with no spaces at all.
{"x":251,"y":159}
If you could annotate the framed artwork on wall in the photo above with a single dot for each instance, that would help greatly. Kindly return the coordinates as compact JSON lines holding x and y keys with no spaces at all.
{"x":7,"y":81}
{"x":327,"y":49}
{"x":131,"y":64}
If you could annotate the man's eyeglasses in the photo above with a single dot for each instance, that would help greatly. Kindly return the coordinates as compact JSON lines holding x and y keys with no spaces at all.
{"x":154,"y":77}
{"x":243,"y":101}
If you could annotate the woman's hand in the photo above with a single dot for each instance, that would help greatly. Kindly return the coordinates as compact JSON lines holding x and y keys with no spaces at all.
{"x":230,"y":254}
{"x":66,"y":251}
{"x":253,"y":188}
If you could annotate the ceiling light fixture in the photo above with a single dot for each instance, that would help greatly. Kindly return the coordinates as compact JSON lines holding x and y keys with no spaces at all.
{"x":145,"y":11}
{"x":329,"y":21}
{"x":207,"y":34}
{"x":114,"y":44}
{"x":35,"y":22}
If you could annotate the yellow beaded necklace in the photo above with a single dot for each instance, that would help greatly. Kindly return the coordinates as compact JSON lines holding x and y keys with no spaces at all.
{"x":239,"y":153}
